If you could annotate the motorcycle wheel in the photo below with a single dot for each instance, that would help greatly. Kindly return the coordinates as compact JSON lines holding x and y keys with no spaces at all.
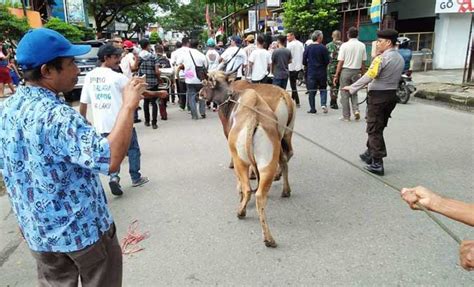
{"x":403,"y":93}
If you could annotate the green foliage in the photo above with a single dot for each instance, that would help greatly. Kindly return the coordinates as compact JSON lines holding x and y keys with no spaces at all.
{"x":71,"y":32}
{"x":89,"y":33}
{"x":11,"y":27}
{"x":154,"y":38}
{"x":186,"y":18}
{"x":138,"y":17}
{"x":303,"y":18}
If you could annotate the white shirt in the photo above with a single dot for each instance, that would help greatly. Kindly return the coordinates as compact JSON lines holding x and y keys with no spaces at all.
{"x":103,"y":90}
{"x":177,"y":55}
{"x":260,"y":58}
{"x":189,"y":68}
{"x":237,"y":62}
{"x":126,"y":63}
{"x":352,"y":53}
{"x":297,"y":49}
{"x":213,"y":59}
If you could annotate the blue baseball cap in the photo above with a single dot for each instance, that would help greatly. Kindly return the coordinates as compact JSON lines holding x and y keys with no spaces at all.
{"x":42,"y":45}
{"x":236,"y":39}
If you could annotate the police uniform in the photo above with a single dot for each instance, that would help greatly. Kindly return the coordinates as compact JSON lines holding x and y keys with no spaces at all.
{"x":382,"y":78}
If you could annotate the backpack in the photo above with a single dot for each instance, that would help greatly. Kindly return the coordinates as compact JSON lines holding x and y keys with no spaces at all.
{"x":163,"y":62}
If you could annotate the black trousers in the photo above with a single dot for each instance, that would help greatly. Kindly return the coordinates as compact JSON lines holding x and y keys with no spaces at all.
{"x":380,"y":105}
{"x":294,"y":92}
{"x":181,"y":89}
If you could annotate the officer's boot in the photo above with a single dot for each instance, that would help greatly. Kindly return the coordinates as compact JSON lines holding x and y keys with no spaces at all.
{"x":376,"y":166}
{"x":366,"y":157}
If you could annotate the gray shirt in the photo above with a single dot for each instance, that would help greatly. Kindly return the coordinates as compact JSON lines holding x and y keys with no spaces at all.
{"x":384,"y":73}
{"x":281,"y":57}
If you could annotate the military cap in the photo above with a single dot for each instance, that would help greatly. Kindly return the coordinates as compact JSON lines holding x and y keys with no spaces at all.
{"x":390,"y":34}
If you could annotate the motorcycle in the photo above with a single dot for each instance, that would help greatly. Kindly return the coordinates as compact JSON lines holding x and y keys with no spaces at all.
{"x":406,"y":87}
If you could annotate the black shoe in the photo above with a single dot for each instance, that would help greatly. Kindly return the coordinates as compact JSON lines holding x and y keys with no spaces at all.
{"x":203,"y":116}
{"x":334,"y":106}
{"x":375,"y":168}
{"x":366,"y":157}
{"x":115,"y":187}
{"x":137,"y":121}
{"x":147,"y":124}
{"x":311,"y":112}
{"x":154,"y":126}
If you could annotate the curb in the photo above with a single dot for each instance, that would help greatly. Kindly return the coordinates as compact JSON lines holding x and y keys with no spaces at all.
{"x":450,"y":98}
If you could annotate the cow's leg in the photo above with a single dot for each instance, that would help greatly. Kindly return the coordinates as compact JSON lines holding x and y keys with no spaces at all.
{"x":265,"y":182}
{"x":242,"y":172}
{"x":278,"y":174}
{"x":284,"y":169}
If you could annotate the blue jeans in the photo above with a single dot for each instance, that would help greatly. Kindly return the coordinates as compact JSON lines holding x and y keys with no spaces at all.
{"x":133,"y":158}
{"x":314,"y":84}
{"x":280,"y":82}
{"x":191,"y":97}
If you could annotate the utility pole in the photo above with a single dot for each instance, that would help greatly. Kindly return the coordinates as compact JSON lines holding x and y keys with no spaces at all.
{"x":23,"y":5}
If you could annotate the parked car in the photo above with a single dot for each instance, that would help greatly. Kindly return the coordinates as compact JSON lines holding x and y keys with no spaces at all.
{"x":85,"y":63}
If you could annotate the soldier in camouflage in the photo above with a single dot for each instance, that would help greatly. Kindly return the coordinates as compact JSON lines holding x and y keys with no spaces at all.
{"x":333,"y":49}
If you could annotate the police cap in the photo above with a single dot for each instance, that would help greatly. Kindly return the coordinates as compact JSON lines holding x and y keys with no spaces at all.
{"x":390,"y":34}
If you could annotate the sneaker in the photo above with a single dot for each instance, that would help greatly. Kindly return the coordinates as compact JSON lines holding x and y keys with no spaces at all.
{"x":344,"y":119}
{"x":154,"y":126}
{"x":311,"y":111}
{"x":115,"y":187}
{"x":357,"y":116}
{"x":298,"y":105}
{"x":137,"y":121}
{"x":147,"y":124}
{"x":203,"y":116}
{"x":325,"y":110}
{"x":334,"y":106}
{"x":141,"y":181}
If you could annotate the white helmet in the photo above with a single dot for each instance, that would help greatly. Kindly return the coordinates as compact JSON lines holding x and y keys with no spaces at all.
{"x":403,"y":41}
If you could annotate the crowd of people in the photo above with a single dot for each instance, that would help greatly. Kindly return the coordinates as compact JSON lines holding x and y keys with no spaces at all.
{"x":62,"y":154}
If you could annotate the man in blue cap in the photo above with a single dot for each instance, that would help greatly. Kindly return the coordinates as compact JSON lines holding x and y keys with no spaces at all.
{"x":52,"y":160}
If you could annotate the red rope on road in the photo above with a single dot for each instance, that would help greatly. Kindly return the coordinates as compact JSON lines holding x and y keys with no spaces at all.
{"x":132,"y":238}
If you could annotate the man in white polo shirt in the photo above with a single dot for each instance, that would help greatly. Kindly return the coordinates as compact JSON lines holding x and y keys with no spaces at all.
{"x":351,"y":59}
{"x":297,"y":49}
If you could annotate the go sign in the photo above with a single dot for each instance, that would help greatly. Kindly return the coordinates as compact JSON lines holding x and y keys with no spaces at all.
{"x":454,"y":6}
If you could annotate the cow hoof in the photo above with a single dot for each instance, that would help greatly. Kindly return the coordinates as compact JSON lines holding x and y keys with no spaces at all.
{"x":277,"y":177}
{"x":241,"y":214}
{"x":231,"y":165}
{"x":285,"y":194}
{"x":270,"y":243}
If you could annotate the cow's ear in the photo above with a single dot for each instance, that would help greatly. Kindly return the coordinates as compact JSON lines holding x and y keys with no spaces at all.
{"x":231,"y":78}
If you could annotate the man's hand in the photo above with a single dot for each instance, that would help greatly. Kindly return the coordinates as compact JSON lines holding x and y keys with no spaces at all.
{"x":466,"y":254}
{"x":420,"y":195}
{"x":133,"y":91}
{"x":335,"y":80}
{"x":346,"y":88}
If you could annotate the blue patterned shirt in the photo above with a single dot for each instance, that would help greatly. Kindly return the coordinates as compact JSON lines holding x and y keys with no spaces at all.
{"x":52,"y":158}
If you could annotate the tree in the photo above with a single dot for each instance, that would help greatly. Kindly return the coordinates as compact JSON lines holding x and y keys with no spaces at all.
{"x":71,"y":32}
{"x":105,"y":11}
{"x":303,"y":18}
{"x":137,"y":18}
{"x":154,"y":38}
{"x":12,"y":27}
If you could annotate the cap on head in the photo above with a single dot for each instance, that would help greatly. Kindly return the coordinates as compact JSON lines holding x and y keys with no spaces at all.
{"x":249,"y":38}
{"x":108,"y":50}
{"x":211,"y":42}
{"x":389,"y":34}
{"x":52,"y":45}
{"x":237,"y":39}
{"x":127,"y":44}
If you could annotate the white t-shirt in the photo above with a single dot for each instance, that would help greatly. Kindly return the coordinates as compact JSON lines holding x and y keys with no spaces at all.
{"x":126,"y":63}
{"x":189,"y":68}
{"x":352,"y":53}
{"x":177,"y":55}
{"x":213,"y":59}
{"x":103,"y":90}
{"x":297,"y":49}
{"x":237,"y":62}
{"x":260,"y":58}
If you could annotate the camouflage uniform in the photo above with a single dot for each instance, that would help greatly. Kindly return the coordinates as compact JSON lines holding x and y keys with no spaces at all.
{"x":333,"y":49}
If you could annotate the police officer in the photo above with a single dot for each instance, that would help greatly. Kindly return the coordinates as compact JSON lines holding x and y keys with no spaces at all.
{"x":382,"y":77}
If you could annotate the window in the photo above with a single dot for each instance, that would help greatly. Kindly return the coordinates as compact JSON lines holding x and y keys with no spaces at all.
{"x":420,"y":40}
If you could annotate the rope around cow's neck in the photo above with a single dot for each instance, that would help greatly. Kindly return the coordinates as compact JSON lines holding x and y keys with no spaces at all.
{"x":387,"y":183}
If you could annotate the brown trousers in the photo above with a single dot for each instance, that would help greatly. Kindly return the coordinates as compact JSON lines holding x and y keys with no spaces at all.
{"x":97,"y":265}
{"x":380,"y":105}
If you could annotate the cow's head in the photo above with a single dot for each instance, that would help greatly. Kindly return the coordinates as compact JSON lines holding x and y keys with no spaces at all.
{"x":216,"y":87}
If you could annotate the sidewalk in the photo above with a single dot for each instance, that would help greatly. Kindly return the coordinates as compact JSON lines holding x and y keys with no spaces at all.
{"x":444,"y":86}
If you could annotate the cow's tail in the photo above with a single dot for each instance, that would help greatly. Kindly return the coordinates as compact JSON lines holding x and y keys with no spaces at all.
{"x":251,"y":129}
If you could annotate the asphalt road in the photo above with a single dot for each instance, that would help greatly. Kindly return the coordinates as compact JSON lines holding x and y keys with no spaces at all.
{"x":339,"y":227}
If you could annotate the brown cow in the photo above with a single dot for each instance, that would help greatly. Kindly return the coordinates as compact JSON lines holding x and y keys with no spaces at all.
{"x":219,"y":85}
